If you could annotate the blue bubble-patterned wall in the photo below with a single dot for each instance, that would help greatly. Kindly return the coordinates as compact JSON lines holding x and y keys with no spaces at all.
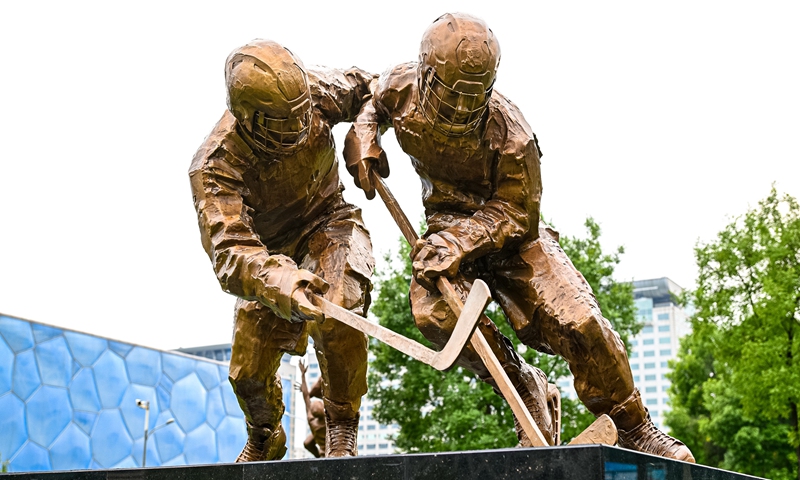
{"x":68,"y":401}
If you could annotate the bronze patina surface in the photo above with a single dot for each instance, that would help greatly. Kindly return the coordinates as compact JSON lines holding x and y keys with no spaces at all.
{"x":478,"y":160}
{"x":277,"y":230}
{"x":315,"y":414}
{"x":528,"y":430}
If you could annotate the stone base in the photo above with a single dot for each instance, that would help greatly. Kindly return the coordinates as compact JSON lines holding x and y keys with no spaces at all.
{"x":591,"y":462}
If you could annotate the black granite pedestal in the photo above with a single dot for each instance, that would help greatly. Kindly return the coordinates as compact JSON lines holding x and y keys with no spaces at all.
{"x":591,"y":462}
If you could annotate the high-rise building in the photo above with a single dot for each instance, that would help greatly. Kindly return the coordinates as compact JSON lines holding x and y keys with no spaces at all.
{"x":220,"y":353}
{"x":374,"y":438}
{"x":664,"y":322}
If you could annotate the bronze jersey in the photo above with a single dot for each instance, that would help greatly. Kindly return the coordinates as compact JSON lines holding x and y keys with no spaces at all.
{"x":251,"y":204}
{"x":486,"y":185}
{"x":283,"y":193}
{"x":279,"y":193}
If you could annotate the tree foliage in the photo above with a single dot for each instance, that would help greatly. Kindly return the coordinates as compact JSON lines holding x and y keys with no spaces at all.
{"x":448,"y":411}
{"x":736,"y":383}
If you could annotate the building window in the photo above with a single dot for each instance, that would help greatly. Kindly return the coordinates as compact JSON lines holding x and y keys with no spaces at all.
{"x":636,"y":378}
{"x":650,"y":353}
{"x":651,"y":401}
{"x":648,"y":378}
{"x":663,"y":328}
{"x":664,"y":400}
{"x":383,"y":445}
{"x":649,"y":365}
{"x":663,"y":340}
{"x":634,"y":366}
{"x":644,"y":308}
{"x":664,"y":388}
{"x":647,"y":341}
{"x":664,"y":376}
{"x":654,"y":413}
{"x":664,"y":364}
{"x":647,"y":329}
{"x":634,"y":354}
{"x":634,"y":342}
{"x":371,"y":446}
{"x":665,"y":353}
{"x":663,"y":316}
{"x":650,"y":390}
{"x":370,"y":427}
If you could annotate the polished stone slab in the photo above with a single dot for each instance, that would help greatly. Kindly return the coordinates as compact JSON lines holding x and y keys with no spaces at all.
{"x":590,"y":462}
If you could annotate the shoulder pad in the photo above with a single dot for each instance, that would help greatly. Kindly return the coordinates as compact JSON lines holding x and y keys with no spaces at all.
{"x":507,"y":130}
{"x":223,"y":142}
{"x":395,"y":86}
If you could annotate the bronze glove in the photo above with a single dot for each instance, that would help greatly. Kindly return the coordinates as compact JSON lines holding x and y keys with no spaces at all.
{"x":290,"y":301}
{"x":439,"y":254}
{"x":363,"y":153}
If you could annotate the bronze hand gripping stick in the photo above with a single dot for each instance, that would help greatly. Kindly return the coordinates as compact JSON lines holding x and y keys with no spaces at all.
{"x":478,"y":341}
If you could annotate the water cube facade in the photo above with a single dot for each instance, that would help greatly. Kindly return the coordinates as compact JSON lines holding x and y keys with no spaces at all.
{"x":68,"y":401}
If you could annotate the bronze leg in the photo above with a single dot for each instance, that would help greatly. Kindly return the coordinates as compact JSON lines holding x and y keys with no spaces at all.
{"x":260,"y":339}
{"x":341,"y":253}
{"x":551,"y":307}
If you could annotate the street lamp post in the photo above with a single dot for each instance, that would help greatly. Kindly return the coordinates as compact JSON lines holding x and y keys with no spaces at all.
{"x":144,"y":404}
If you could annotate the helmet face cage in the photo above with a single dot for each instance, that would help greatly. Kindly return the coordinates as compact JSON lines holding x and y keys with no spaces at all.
{"x":452,"y":112}
{"x":281,"y":135}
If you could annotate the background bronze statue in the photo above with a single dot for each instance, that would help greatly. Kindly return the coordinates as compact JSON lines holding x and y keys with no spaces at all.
{"x":273,"y":222}
{"x":479,"y":164}
{"x":315,"y":414}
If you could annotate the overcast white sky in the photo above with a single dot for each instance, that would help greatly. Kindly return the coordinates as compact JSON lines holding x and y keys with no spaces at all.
{"x":660,"y":120}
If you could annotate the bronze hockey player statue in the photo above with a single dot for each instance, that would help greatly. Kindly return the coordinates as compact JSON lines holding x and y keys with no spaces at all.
{"x":479,"y":164}
{"x":274,"y":224}
{"x":315,"y":414}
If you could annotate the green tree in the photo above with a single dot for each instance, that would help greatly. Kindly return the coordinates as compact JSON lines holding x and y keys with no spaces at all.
{"x":447,"y":411}
{"x":736,"y":383}
{"x":688,"y":417}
